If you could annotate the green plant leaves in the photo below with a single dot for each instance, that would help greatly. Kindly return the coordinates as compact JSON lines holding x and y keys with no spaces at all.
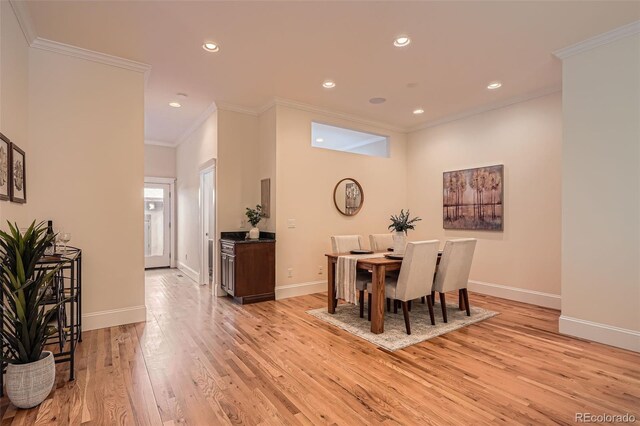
{"x":22,"y":285}
{"x":254,"y":215}
{"x":402,"y":223}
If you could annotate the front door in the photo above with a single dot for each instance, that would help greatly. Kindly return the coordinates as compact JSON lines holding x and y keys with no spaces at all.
{"x":157,"y":225}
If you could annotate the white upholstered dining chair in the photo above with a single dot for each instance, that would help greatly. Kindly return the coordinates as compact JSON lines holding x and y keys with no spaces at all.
{"x":344,"y":244}
{"x":453,"y":271}
{"x":415,"y":279}
{"x":381,"y":242}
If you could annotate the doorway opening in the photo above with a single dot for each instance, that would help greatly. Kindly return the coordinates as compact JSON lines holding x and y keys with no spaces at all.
{"x":207,"y":225}
{"x":159,"y":211}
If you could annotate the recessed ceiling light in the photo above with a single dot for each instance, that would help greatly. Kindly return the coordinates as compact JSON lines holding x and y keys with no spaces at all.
{"x":329,"y":84}
{"x":418,"y":111}
{"x":401,"y":41}
{"x":377,"y":100}
{"x":494,"y":85}
{"x":175,"y":104}
{"x":319,"y":140}
{"x":211,"y":47}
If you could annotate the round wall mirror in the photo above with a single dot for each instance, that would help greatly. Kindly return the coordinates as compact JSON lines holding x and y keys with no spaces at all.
{"x":348,"y":197}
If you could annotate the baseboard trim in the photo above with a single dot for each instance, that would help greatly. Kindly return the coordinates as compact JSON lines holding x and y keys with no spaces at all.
{"x":195,"y":276}
{"x":532,"y":297}
{"x":114,"y":317}
{"x":300,"y":289}
{"x":601,"y":333}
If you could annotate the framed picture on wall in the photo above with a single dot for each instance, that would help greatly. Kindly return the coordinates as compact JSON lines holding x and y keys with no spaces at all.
{"x":473,"y":199}
{"x":265,"y":197}
{"x":5,"y":176}
{"x":18,"y":181}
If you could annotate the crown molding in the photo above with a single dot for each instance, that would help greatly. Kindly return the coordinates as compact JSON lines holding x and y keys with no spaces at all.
{"x":487,"y":107}
{"x":89,"y":55}
{"x":204,"y":115}
{"x":225,"y":106}
{"x":359,"y":120}
{"x":331,"y":113}
{"x":21,"y":10}
{"x":266,"y":107}
{"x":159,"y":143}
{"x":308,"y":108}
{"x":599,"y":40}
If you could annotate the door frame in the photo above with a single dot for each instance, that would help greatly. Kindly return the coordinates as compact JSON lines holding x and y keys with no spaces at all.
{"x":172,"y":213}
{"x":209,"y":166}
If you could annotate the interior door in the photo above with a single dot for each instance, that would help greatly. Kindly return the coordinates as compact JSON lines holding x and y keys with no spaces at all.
{"x":157,"y":225}
{"x":207,"y":223}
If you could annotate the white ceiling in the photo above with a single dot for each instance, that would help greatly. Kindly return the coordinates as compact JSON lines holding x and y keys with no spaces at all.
{"x":286,"y":49}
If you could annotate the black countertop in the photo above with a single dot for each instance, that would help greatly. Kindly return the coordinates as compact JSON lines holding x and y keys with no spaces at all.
{"x":240,"y":237}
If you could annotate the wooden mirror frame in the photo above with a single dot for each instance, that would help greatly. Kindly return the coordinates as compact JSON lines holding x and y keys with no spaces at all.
{"x":361,"y":197}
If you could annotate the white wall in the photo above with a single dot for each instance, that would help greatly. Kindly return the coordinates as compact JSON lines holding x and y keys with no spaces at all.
{"x":238,"y":181}
{"x":159,"y":161}
{"x":305,"y":180}
{"x":526,"y":138}
{"x":192,"y":155}
{"x":14,"y":84}
{"x":267,"y":162}
{"x":85,"y":172}
{"x":601,"y":194}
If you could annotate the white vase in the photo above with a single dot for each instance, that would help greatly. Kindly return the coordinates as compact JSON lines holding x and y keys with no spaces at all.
{"x":399,"y":242}
{"x":254,"y":233}
{"x":30,"y":384}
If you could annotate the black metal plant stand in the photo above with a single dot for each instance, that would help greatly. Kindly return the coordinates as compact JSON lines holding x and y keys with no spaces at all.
{"x":66,"y":284}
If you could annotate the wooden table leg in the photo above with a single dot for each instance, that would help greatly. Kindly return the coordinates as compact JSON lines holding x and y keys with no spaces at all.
{"x":331,"y":286}
{"x":377,"y":304}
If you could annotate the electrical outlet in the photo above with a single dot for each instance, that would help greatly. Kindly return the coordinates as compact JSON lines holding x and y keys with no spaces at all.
{"x":290,"y":272}
{"x":291,"y":223}
{"x":320,"y":270}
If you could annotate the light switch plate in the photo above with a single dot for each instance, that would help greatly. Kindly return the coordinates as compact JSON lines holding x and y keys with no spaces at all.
{"x":291,"y":223}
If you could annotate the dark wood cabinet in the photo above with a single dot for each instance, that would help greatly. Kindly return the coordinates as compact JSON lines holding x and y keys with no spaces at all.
{"x":248,"y":268}
{"x":227,"y":264}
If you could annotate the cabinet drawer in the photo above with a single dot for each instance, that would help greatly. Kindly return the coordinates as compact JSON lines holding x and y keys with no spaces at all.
{"x":226,"y":247}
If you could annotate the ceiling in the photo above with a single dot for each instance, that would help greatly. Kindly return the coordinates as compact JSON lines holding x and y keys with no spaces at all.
{"x":287,"y":49}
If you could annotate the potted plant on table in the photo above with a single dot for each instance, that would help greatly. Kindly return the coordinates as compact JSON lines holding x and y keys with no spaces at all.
{"x":30,"y":374}
{"x":254,"y":216}
{"x":400,"y":224}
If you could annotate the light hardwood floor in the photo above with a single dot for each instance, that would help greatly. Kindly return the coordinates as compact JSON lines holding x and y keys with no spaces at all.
{"x":205,"y":361}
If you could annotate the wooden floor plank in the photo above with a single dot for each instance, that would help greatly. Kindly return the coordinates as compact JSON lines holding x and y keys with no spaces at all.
{"x":205,"y":360}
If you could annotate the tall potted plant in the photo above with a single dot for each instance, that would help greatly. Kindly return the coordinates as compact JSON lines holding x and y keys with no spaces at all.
{"x":31,"y":370}
{"x":401,"y":224}
{"x":254,"y":216}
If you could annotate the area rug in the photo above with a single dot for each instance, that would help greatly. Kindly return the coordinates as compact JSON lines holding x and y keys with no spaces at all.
{"x":395,"y":335}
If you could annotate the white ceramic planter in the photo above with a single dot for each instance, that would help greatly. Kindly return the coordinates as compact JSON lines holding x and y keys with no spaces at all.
{"x":399,"y":242}
{"x":254,"y":233}
{"x":30,"y":384}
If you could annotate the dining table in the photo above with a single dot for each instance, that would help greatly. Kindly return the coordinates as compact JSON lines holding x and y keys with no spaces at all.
{"x":378,"y":266}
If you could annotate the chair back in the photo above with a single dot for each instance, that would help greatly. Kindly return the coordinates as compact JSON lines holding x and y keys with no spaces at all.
{"x":416,"y":273}
{"x":455,"y":265}
{"x":346,"y":243}
{"x":381,"y":242}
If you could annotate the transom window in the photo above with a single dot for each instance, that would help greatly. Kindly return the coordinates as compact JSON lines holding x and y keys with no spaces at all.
{"x":347,"y":140}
